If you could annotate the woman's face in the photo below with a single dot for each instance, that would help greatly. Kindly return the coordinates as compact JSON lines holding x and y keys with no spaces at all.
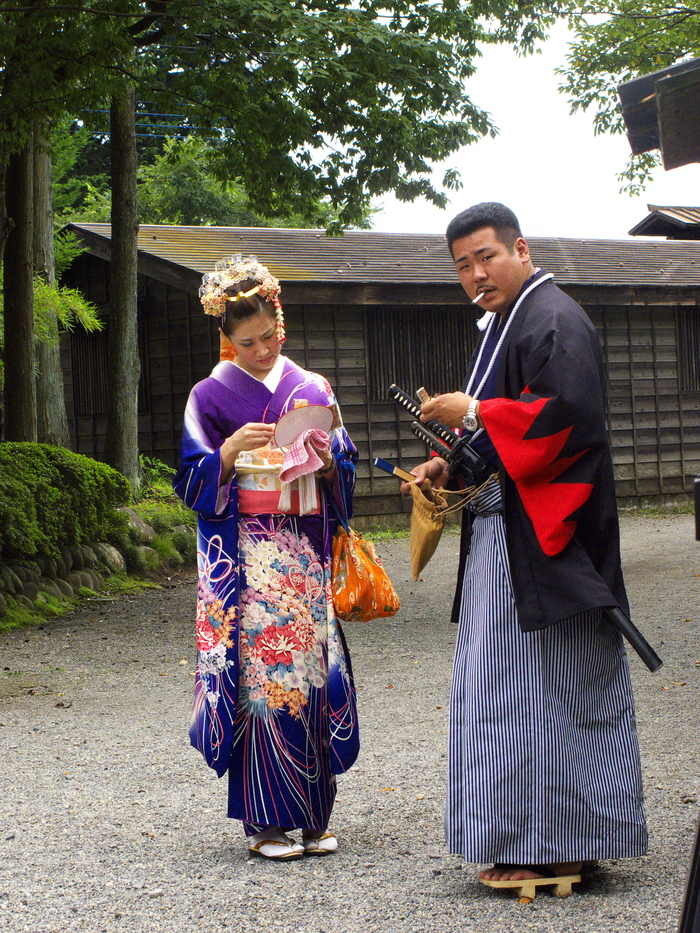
{"x":256,"y":343}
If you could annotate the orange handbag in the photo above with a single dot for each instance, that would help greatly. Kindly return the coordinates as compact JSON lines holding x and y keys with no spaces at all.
{"x":360,"y":585}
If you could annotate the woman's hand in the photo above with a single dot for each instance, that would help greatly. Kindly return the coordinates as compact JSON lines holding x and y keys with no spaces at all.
{"x":251,"y":436}
{"x":327,"y":469}
{"x":435,"y":470}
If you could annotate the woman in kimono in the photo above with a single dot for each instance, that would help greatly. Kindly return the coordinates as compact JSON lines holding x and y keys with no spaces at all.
{"x":274,"y":700}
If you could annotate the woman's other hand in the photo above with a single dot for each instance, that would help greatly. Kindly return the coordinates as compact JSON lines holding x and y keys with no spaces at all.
{"x":327,"y":460}
{"x":251,"y":436}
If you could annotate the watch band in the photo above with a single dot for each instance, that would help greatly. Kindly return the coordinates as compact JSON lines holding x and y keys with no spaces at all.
{"x":470,"y":421}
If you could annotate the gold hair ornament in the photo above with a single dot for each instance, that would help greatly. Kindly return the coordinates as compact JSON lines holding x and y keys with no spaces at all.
{"x":253,"y":291}
{"x":228,"y":273}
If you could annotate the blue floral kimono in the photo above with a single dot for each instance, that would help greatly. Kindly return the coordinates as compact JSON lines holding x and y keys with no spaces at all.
{"x":274,"y":698}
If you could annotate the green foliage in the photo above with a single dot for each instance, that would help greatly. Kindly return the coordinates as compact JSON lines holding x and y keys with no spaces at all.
{"x":309,"y":101}
{"x":164,"y":514}
{"x":50,"y":496}
{"x":18,"y":616}
{"x":68,"y":306}
{"x":614,"y":42}
{"x":165,"y":549}
{"x":156,"y":479}
{"x":134,"y":558}
{"x":56,"y":308}
{"x":186,"y":544}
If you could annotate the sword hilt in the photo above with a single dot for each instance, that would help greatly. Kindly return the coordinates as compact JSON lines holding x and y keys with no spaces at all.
{"x":461,"y":459}
{"x":446,"y":435}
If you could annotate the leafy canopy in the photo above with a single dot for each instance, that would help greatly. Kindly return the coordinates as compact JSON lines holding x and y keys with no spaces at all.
{"x":617,"y":41}
{"x":311,"y":100}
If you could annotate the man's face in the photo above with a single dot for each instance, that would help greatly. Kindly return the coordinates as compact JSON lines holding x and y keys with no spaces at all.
{"x":487,"y":267}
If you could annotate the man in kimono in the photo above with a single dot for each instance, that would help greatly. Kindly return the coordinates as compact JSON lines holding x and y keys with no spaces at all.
{"x":544,"y":769}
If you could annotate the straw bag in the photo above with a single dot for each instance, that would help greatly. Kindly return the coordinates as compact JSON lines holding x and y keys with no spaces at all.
{"x":360,"y":585}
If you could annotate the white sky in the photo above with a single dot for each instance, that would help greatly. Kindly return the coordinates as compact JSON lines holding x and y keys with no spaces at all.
{"x":545,"y":164}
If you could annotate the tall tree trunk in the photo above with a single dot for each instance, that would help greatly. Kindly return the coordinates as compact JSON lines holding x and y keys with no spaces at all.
{"x":52,"y":418}
{"x":123,"y":367}
{"x":5,"y":222}
{"x":20,"y":385}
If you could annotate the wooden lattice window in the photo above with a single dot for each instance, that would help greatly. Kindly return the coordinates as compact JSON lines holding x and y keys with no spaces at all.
{"x":89,"y":364}
{"x":418,"y":347}
{"x":688,"y":331}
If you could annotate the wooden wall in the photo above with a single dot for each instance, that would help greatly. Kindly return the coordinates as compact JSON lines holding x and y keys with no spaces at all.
{"x":654,"y":426}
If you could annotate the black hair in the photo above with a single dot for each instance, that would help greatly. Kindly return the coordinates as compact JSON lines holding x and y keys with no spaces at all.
{"x":235,"y":312}
{"x":486,"y":214}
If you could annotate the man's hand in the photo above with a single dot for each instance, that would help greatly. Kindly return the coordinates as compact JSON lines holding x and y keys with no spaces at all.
{"x":448,"y":409}
{"x":435,"y":470}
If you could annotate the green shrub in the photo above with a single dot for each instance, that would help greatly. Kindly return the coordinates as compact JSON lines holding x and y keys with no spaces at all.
{"x":156,"y":478}
{"x":134,"y":558}
{"x":50,"y":497}
{"x":162,"y":514}
{"x":186,"y":543}
{"x":166,"y":550}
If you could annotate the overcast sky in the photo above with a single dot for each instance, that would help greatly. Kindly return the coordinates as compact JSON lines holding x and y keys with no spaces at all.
{"x":545,"y":164}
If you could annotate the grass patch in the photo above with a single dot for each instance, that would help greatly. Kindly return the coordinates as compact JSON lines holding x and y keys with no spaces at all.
{"x":117,"y":585}
{"x":164,"y":514}
{"x":17,"y":616}
{"x":658,"y":511}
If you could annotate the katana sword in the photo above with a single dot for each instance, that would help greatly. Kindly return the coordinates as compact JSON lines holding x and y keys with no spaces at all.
{"x":462,"y":460}
{"x":447,"y":435}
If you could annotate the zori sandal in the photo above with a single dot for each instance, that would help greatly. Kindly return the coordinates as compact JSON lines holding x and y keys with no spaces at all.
{"x":277,"y":849}
{"x":325,"y":844}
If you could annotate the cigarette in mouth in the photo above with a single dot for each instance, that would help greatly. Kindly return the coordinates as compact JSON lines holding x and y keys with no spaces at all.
{"x":478,"y":298}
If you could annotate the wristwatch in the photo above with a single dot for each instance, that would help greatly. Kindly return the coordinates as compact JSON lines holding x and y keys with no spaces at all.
{"x":469,"y":421}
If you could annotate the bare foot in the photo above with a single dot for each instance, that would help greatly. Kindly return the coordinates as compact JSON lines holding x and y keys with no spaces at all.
{"x":523,"y":872}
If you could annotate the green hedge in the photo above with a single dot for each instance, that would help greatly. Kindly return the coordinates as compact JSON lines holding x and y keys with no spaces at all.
{"x":51,"y":497}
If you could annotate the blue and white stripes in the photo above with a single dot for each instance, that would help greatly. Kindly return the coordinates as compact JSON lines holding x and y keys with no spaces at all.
{"x":543,"y":760}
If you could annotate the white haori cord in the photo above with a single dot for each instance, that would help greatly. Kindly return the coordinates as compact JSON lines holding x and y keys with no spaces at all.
{"x":494,"y":356}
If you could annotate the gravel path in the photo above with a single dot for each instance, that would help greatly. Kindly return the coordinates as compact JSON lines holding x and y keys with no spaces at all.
{"x":109,"y":821}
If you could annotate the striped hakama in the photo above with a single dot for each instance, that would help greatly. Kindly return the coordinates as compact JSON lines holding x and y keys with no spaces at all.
{"x":543,"y":754}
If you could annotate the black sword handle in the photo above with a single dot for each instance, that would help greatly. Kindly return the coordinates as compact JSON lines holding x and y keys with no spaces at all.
{"x":447,"y":435}
{"x":461,"y":459}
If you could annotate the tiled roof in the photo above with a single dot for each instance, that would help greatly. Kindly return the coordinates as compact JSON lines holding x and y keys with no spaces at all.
{"x":371,"y":257}
{"x":667,"y":221}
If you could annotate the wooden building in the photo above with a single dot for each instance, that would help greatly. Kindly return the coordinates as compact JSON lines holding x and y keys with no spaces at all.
{"x":369,"y":309}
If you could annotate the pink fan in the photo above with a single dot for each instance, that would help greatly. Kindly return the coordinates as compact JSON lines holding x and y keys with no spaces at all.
{"x":298,"y":420}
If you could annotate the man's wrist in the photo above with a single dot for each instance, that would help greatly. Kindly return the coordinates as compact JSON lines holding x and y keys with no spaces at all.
{"x":471,"y":418}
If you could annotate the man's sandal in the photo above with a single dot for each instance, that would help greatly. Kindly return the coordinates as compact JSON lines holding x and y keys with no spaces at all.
{"x":277,"y":850}
{"x":527,"y":887}
{"x":325,"y":844}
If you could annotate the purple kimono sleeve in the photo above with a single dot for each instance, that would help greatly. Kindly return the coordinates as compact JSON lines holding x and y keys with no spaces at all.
{"x":198,"y":481}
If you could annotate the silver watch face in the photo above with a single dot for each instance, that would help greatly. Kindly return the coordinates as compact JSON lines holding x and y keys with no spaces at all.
{"x":470,"y":422}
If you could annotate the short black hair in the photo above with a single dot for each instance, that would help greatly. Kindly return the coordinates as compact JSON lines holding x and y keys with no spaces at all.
{"x":486,"y":214}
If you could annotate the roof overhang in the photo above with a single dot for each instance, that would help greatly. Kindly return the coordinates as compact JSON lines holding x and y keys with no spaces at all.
{"x":386,"y":265}
{"x":661,"y":110}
